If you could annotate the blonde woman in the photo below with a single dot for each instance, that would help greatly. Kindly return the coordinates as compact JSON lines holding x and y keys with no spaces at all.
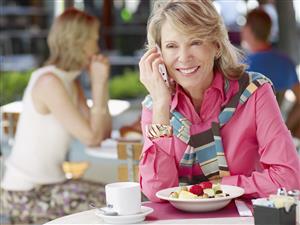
{"x":216,"y":122}
{"x":34,"y":187}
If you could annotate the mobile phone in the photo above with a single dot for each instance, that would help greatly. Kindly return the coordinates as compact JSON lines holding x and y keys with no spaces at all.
{"x":162,"y":69}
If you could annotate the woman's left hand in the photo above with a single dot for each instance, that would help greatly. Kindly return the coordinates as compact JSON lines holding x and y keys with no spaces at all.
{"x":99,"y":68}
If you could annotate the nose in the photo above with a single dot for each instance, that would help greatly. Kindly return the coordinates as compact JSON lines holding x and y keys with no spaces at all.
{"x":184,"y":55}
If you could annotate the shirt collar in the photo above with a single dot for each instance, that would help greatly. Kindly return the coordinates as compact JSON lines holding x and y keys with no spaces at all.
{"x":216,"y":85}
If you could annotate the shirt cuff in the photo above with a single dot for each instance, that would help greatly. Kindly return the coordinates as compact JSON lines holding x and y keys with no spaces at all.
{"x":164,"y":144}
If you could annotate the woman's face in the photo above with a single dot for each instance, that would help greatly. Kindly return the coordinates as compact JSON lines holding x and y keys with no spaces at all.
{"x":189,"y":60}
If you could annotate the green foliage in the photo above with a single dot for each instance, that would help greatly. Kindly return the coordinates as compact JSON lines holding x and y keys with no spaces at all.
{"x":126,"y":15}
{"x":12,"y":85}
{"x":126,"y":86}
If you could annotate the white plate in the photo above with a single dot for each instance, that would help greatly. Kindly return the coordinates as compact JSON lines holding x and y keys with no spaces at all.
{"x":201,"y":205}
{"x":136,"y":218}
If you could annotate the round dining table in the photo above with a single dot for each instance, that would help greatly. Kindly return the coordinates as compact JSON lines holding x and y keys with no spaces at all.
{"x":163,"y":213}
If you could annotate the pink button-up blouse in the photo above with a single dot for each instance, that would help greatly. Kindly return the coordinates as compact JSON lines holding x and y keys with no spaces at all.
{"x":258,"y":146}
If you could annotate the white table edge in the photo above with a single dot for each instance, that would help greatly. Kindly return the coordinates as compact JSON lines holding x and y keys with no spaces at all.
{"x":89,"y":217}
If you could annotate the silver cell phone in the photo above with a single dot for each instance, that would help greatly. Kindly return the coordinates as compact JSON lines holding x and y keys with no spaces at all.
{"x":162,"y":68}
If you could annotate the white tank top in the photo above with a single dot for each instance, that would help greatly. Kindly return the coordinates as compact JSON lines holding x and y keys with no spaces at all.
{"x":41,"y":142}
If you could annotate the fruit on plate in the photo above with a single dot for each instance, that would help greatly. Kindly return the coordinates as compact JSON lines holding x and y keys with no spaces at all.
{"x":209,"y":192}
{"x":206,"y":184}
{"x":174,"y":194}
{"x":217,"y":188}
{"x":184,"y":188}
{"x":196,"y":189}
{"x":198,"y":192}
{"x":187,"y":195}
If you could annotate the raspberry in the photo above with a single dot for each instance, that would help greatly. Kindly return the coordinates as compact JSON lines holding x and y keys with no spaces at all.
{"x":205,"y":184}
{"x":196,"y":190}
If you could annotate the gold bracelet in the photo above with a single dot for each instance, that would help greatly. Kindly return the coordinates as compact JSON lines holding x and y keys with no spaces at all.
{"x":158,"y":130}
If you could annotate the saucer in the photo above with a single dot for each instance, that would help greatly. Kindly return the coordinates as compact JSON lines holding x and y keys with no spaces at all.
{"x":135,"y":218}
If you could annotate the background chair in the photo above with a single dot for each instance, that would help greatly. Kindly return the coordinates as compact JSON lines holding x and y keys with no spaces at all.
{"x":129,"y":154}
{"x":9,"y":118}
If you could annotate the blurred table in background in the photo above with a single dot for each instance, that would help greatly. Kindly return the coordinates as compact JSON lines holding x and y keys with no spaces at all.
{"x":126,"y":152}
{"x":10,"y":115}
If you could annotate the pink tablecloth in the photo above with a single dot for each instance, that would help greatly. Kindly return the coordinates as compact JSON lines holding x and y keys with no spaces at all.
{"x":165,"y":211}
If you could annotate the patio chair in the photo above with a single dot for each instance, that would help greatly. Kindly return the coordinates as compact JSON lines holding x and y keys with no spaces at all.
{"x":129,"y":154}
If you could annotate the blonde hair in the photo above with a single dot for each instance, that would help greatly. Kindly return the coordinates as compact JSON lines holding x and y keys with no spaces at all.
{"x":67,"y":38}
{"x":198,"y":17}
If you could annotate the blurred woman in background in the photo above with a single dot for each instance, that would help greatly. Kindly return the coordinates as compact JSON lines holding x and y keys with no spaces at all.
{"x":34,"y":187}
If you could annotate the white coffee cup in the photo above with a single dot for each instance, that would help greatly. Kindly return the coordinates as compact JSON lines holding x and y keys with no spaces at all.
{"x":123,"y":197}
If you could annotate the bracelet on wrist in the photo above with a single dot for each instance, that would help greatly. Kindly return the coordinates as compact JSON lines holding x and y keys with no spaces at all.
{"x":158,"y":130}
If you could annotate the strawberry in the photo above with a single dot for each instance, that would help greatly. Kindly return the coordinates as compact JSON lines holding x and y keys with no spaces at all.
{"x":205,"y":184}
{"x":196,"y":190}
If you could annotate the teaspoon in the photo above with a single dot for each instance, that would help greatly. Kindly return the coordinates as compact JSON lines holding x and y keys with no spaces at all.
{"x":104,"y":210}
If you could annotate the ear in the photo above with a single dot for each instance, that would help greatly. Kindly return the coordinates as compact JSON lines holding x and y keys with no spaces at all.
{"x":246,"y":33}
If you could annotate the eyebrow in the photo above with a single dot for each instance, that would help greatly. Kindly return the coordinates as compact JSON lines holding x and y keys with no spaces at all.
{"x":169,"y":41}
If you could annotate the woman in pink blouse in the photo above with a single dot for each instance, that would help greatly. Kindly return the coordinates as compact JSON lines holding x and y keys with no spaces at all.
{"x":213,"y":121}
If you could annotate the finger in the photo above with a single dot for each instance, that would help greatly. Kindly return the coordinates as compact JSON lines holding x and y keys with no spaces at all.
{"x":148,"y":75}
{"x":94,"y":58}
{"x":150,"y":51}
{"x":101,"y":57}
{"x":105,"y":60}
{"x":148,"y":62}
{"x":155,"y":64}
{"x":146,"y":66}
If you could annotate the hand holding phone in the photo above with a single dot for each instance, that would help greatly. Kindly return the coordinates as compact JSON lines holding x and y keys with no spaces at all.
{"x":162,"y":69}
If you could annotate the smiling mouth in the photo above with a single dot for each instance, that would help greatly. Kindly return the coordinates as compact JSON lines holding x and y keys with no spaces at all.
{"x":188,"y":71}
